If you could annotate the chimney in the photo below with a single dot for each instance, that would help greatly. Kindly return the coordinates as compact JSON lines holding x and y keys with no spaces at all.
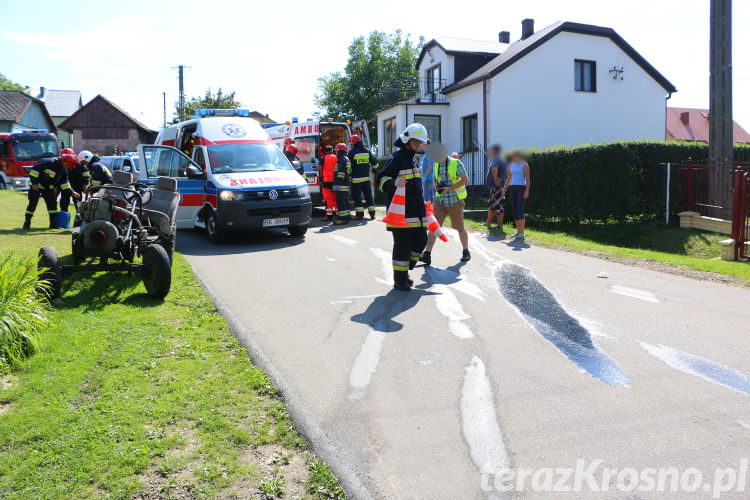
{"x":42,"y":93}
{"x":685,"y":117}
{"x":504,"y":37}
{"x":527,"y":28}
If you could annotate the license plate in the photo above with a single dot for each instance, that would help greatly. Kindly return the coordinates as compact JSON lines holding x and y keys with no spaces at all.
{"x":281,"y":221}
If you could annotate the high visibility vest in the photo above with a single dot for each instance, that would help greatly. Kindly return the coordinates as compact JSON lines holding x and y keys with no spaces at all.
{"x":453,"y":176}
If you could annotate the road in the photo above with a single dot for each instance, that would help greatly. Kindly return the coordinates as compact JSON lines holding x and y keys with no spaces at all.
{"x":523,"y":358}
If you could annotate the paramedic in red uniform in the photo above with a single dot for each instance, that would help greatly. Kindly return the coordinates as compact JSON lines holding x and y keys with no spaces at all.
{"x":341,"y":184}
{"x":362,"y":161}
{"x":401,"y":169}
{"x":329,"y":165}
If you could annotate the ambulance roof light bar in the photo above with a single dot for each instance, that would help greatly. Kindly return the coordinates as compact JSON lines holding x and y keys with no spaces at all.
{"x":221,"y":112}
{"x":38,"y":131}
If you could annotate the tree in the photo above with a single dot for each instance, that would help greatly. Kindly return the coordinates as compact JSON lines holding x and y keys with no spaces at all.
{"x":219,"y":100}
{"x":6,"y":84}
{"x":377,"y":65}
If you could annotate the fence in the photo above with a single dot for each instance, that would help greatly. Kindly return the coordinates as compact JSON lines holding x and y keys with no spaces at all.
{"x":741,"y":213}
{"x":475,"y":163}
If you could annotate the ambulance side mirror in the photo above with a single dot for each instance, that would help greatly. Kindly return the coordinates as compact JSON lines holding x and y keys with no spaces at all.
{"x":194,"y":172}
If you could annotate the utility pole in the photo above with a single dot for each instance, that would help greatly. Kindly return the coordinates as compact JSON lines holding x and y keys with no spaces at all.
{"x":164,"y":98}
{"x":181,"y":98}
{"x":721,"y":139}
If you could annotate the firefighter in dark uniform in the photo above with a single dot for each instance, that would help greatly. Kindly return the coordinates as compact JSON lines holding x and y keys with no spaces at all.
{"x":341,"y":184}
{"x":401,"y":169}
{"x":362,"y":162}
{"x":47,"y":176}
{"x":100,"y":174}
{"x":79,"y":178}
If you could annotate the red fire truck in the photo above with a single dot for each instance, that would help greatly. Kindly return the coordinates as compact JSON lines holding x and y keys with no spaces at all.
{"x":19,"y":151}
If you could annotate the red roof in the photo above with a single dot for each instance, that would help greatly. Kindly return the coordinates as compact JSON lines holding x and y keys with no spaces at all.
{"x":691,"y":124}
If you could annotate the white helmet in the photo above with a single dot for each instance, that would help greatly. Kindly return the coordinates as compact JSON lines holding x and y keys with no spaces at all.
{"x":414,"y":131}
{"x":85,"y":156}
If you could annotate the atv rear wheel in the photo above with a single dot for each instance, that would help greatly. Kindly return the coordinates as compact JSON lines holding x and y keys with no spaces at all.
{"x":50,"y":272}
{"x":157,"y":271}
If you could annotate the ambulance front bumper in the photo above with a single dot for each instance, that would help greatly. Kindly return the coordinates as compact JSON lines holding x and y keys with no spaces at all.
{"x":249,"y":215}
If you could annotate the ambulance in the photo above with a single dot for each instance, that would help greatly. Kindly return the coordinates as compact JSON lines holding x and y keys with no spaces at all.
{"x":230,"y":174}
{"x":311,"y":138}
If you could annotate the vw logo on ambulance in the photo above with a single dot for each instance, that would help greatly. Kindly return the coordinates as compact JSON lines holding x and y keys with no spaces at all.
{"x":273,"y":194}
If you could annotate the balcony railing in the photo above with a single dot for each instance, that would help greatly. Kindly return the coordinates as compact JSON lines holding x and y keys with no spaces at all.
{"x":413,"y":90}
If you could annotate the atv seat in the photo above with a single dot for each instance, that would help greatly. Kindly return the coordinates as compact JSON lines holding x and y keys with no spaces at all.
{"x":122,"y":178}
{"x":161,"y":209}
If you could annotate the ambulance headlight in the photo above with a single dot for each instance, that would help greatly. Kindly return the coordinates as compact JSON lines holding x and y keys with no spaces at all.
{"x":227,"y":195}
{"x":303,"y":191}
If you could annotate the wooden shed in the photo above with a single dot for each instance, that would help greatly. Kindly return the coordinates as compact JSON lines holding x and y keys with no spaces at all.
{"x":105,"y":129}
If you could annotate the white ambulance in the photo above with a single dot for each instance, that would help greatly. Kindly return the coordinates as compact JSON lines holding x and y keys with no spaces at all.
{"x":311,"y":138}
{"x":230,"y":175}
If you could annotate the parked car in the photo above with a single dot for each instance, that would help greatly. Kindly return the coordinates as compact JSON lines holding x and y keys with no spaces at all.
{"x":127,"y":163}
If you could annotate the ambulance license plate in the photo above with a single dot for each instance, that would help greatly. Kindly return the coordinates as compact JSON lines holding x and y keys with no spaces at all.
{"x":281,"y":221}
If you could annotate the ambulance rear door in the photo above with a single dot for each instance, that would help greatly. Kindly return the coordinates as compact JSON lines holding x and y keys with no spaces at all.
{"x":166,"y":161}
{"x":360,"y":128}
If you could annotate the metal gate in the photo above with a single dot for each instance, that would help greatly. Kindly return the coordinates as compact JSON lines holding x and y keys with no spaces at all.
{"x":740,"y":214}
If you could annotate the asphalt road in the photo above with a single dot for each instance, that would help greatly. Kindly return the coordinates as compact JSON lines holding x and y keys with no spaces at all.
{"x":523,"y":358}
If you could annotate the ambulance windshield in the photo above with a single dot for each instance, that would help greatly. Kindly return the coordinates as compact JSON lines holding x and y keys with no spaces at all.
{"x":247,"y":157}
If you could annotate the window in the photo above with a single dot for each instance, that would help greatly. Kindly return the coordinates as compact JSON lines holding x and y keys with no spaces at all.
{"x":246,"y":157}
{"x":585,"y":76}
{"x":165,"y":161}
{"x":433,"y":79}
{"x":389,"y":135}
{"x":470,"y":132}
{"x":432,"y":124}
{"x":198,"y":157}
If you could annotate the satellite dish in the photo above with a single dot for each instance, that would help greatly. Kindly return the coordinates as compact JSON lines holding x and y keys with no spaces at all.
{"x":436,"y":152}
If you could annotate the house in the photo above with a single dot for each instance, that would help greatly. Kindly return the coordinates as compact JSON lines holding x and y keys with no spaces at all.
{"x":260,"y":117}
{"x":691,"y":124}
{"x":61,"y":104}
{"x":103,"y":128}
{"x":568,"y":83}
{"x":19,"y":111}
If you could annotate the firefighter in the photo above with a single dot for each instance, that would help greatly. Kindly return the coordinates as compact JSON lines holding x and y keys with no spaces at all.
{"x":291,"y":154}
{"x":401,"y":170}
{"x":100,"y":174}
{"x":80,"y":179}
{"x":341,"y":184}
{"x":329,"y":165}
{"x":47,"y":176}
{"x":362,"y":162}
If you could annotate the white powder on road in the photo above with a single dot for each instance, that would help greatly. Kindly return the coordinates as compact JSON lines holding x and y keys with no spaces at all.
{"x":448,"y":305}
{"x":479,"y":421}
{"x":386,"y":263}
{"x":635,"y":293}
{"x":343,"y":239}
{"x":365,"y":364}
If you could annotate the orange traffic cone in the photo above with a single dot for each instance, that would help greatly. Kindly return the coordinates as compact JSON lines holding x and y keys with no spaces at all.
{"x":396,"y":215}
{"x":432,"y":223}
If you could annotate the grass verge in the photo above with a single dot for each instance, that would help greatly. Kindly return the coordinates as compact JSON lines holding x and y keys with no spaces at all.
{"x":135,"y":397}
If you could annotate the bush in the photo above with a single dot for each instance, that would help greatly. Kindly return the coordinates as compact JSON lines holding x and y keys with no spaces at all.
{"x":23,"y":310}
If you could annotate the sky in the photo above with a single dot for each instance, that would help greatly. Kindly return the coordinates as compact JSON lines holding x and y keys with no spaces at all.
{"x":272,"y":53}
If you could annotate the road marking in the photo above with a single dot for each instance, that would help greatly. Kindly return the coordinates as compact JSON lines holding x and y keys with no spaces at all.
{"x":351,"y":298}
{"x":537,"y":305}
{"x":455,"y":280}
{"x":343,"y":239}
{"x":635,"y":293}
{"x":479,"y":421}
{"x":701,"y":367}
{"x":365,"y":364}
{"x":387,"y":265}
{"x":449,"y":306}
{"x":743,"y":425}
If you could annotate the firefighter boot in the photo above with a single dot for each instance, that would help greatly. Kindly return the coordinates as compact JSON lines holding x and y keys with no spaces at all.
{"x":53,"y":221}
{"x":401,"y":281}
{"x":372,"y":214}
{"x":27,"y":223}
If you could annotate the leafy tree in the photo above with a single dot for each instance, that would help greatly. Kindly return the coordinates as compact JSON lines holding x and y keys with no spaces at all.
{"x":6,"y":84}
{"x":377,"y":65}
{"x":219,"y":100}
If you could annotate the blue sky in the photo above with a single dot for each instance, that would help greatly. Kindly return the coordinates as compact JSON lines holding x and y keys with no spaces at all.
{"x":272,"y":53}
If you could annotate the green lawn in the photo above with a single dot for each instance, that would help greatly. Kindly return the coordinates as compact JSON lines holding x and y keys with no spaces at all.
{"x":668,"y":245}
{"x":132,"y":396}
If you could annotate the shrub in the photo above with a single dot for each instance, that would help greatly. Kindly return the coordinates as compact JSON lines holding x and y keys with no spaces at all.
{"x":23,"y":310}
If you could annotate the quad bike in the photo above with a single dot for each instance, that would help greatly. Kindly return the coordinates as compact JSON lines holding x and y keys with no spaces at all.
{"x":122,"y":222}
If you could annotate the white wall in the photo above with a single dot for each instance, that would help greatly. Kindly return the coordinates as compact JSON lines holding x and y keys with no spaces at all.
{"x":400,"y":110}
{"x":464,"y":102}
{"x":533,"y":102}
{"x":438,"y":57}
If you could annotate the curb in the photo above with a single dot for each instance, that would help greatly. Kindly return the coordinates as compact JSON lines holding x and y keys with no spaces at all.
{"x":341,"y":460}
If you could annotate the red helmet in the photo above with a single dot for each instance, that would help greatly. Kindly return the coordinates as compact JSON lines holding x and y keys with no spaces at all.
{"x":354,"y":139}
{"x":288,"y":141}
{"x":67,"y":151}
{"x":291,"y":148}
{"x":68,"y":160}
{"x":341,"y":147}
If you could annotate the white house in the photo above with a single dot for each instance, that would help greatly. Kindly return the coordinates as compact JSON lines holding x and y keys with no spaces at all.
{"x":568,"y":84}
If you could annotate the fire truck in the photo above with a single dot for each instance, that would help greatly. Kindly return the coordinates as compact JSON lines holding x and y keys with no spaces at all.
{"x":311,"y":138}
{"x":19,"y":151}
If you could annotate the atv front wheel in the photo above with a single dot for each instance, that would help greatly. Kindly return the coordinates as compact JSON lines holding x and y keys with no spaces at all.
{"x":157,"y":271}
{"x":50,"y":272}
